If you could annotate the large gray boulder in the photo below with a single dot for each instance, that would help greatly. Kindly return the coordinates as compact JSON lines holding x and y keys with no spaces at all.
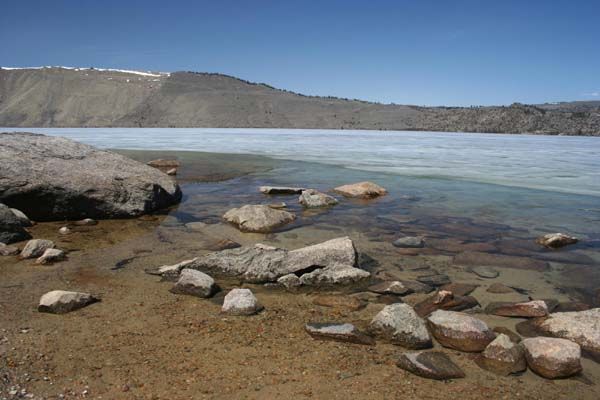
{"x":11,"y":228}
{"x":551,"y":357}
{"x":61,"y":301}
{"x":258,"y":218}
{"x":327,"y":263}
{"x":460,"y":331}
{"x":241,"y":302}
{"x":399,"y":324}
{"x":503,"y":357}
{"x":314,"y":199}
{"x":52,"y":178}
{"x":194,"y":283}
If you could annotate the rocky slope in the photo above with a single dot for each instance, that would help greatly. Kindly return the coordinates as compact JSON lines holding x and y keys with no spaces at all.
{"x":62,"y":97}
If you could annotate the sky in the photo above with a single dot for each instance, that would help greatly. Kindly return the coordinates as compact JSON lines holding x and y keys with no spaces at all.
{"x":422,"y":52}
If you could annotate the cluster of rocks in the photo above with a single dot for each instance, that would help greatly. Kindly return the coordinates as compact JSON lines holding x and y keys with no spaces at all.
{"x":266,"y":218}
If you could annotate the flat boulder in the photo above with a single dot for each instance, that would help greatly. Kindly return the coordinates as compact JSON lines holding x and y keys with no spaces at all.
{"x":396,"y":288}
{"x":502,"y":357}
{"x":556,"y":240}
{"x":477,"y":258}
{"x":430,"y":365}
{"x":485,"y":272}
{"x":459,"y":289}
{"x":61,"y":301}
{"x":280,"y":190}
{"x":581,"y":327}
{"x":241,"y":302}
{"x":409,"y":242}
{"x":399,"y":324}
{"x":527,"y":309}
{"x":434,"y":280}
{"x":499,"y":288}
{"x":338,"y":332}
{"x":194,"y":283}
{"x":460,"y":331}
{"x":11,"y":228}
{"x":258,"y":218}
{"x":551,"y":357}
{"x":51,"y":255}
{"x":445,"y":300}
{"x":170,"y":271}
{"x":313,"y":199}
{"x":328,"y":263}
{"x":52,"y":178}
{"x":364,"y":190}
{"x":36,"y":248}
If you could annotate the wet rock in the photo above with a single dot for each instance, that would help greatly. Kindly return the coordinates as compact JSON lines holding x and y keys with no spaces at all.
{"x":551,"y":357}
{"x":86,"y":222}
{"x":313,"y":199}
{"x":459,"y":289}
{"x":61,"y":301}
{"x":338,"y":332}
{"x":290,"y":281}
{"x":503,"y":357}
{"x":36,"y":247}
{"x":172,"y":172}
{"x":475,"y":258}
{"x":409,"y":242}
{"x":258,"y":218}
{"x":51,"y":178}
{"x":556,"y":240}
{"x":241,"y":302}
{"x":581,"y":327}
{"x":459,"y":331}
{"x":485,"y":272}
{"x":25,"y":221}
{"x":170,"y":271}
{"x":569,"y":306}
{"x":223,"y":244}
{"x":278,"y":206}
{"x":346,"y":302}
{"x":280,"y":190}
{"x":330,"y":262}
{"x":418,"y":287}
{"x":399,"y":324}
{"x":391,"y":287}
{"x":499,"y":288}
{"x":434,"y":280}
{"x":430,"y":365}
{"x":528,"y":309}
{"x":409,"y":252}
{"x":511,"y":335}
{"x":11,"y":228}
{"x":50,"y":256}
{"x":6,"y":250}
{"x":195,"y":283}
{"x":445,"y":300}
{"x":362,"y":190}
{"x":163,"y":164}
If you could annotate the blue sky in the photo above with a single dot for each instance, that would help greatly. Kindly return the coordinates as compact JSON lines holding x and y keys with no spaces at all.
{"x":406,"y":52}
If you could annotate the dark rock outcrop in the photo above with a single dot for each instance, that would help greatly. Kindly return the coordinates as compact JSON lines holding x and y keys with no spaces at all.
{"x":11,"y":228}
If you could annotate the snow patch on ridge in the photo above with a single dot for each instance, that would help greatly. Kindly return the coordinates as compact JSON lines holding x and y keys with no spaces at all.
{"x":125,"y":71}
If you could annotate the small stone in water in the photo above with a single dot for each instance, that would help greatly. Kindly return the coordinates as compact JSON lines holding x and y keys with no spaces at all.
{"x":64,"y":230}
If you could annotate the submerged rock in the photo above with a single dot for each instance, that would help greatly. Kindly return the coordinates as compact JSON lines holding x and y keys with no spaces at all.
{"x":53,"y":178}
{"x":430,"y":365}
{"x":459,"y":331}
{"x":503,"y":357}
{"x":280,"y":190}
{"x":499,"y":288}
{"x":391,"y":287}
{"x":409,"y":242}
{"x":399,"y":324}
{"x":511,"y":335}
{"x":258,"y":218}
{"x":459,"y":289}
{"x":476,"y":258}
{"x":36,"y":247}
{"x":445,"y":300}
{"x":163,"y":164}
{"x":313,"y":199}
{"x":338,"y":332}
{"x":170,"y":271}
{"x":6,"y":250}
{"x":241,"y":302}
{"x":11,"y":228}
{"x":61,"y":301}
{"x":194,"y":283}
{"x":485,"y":272}
{"x":223,"y":244}
{"x":346,"y":302}
{"x":551,"y":357}
{"x":556,"y":240}
{"x":434,"y":280}
{"x":330,"y":262}
{"x":25,"y":221}
{"x":528,"y":309}
{"x":50,"y":256}
{"x":361,"y":189}
{"x":581,"y":327}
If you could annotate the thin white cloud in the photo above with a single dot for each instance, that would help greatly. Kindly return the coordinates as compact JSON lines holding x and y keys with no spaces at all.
{"x":592,"y":94}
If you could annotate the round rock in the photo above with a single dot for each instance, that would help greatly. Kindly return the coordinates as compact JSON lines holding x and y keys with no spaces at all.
{"x":552,"y":357}
{"x":258,"y":218}
{"x":459,"y":331}
{"x":194,"y":283}
{"x":399,"y":324}
{"x":241,"y":302}
{"x":313,"y":199}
